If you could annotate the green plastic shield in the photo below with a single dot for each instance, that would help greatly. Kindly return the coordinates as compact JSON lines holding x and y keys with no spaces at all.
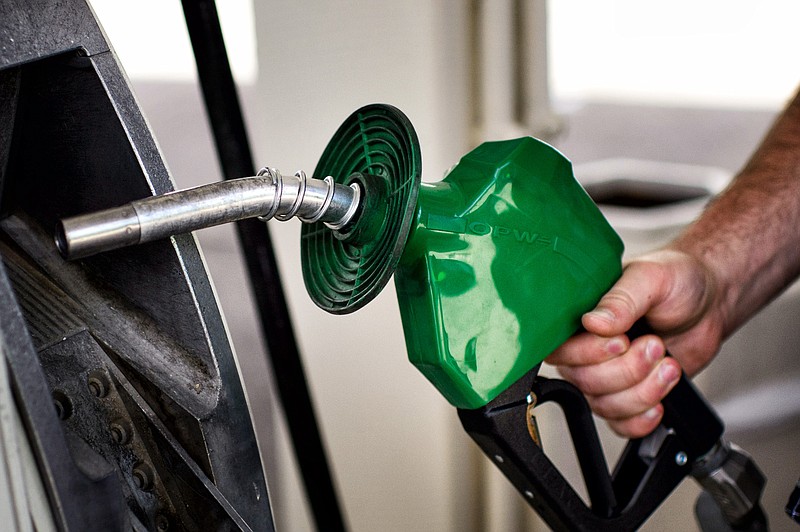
{"x":505,"y":255}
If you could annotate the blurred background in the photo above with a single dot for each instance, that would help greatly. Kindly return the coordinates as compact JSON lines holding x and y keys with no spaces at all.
{"x":656,"y":103}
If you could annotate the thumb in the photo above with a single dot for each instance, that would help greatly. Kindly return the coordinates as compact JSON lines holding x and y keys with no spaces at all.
{"x":633,"y":295}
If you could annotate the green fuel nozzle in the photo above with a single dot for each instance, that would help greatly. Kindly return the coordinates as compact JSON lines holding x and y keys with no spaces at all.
{"x":507,"y":253}
{"x":494,"y":265}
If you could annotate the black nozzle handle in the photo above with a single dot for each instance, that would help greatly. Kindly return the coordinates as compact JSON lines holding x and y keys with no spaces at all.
{"x":686,"y":412}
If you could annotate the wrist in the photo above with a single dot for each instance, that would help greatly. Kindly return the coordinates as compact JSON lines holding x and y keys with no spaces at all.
{"x":715,"y":271}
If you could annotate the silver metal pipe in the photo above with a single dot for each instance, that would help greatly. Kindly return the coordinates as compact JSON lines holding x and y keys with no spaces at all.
{"x":267,"y":195}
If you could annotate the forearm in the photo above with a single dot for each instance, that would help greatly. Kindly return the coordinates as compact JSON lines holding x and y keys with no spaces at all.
{"x":749,"y":237}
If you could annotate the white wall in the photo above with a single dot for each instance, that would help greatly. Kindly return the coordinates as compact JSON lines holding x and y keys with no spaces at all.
{"x":678,"y":52}
{"x":709,"y":52}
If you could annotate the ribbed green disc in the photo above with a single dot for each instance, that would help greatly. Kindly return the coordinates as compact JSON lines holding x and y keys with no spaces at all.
{"x":341,"y":275}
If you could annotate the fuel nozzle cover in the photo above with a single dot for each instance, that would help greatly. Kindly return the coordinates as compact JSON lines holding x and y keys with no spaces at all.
{"x":505,"y":255}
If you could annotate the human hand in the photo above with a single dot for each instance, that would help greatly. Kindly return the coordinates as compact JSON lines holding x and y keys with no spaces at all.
{"x":625,"y":381}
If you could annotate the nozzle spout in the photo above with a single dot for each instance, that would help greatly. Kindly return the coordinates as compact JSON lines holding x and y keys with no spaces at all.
{"x":266,"y":196}
{"x":82,"y":236}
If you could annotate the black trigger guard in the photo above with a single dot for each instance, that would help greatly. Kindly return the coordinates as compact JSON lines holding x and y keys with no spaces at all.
{"x":583,"y":432}
{"x":646,"y":473}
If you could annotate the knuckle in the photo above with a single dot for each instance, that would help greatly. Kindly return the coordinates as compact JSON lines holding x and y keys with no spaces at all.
{"x":620,"y":301}
{"x":581,"y":377}
{"x":635,"y":369}
{"x":649,"y":393}
{"x":592,"y":380}
{"x":578,"y":350}
{"x":602,"y":408}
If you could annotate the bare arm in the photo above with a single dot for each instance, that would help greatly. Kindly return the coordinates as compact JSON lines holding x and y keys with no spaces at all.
{"x":749,"y":238}
{"x":742,"y":251}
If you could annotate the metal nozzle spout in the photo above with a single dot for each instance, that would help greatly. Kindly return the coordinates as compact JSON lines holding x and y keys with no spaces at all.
{"x":82,"y":236}
{"x":266,"y":196}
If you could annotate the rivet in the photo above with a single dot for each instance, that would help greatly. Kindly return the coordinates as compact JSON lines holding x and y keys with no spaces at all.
{"x":681,"y":458}
{"x":143,"y":476}
{"x":98,"y":384}
{"x":120,"y":431}
{"x":62,"y":404}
